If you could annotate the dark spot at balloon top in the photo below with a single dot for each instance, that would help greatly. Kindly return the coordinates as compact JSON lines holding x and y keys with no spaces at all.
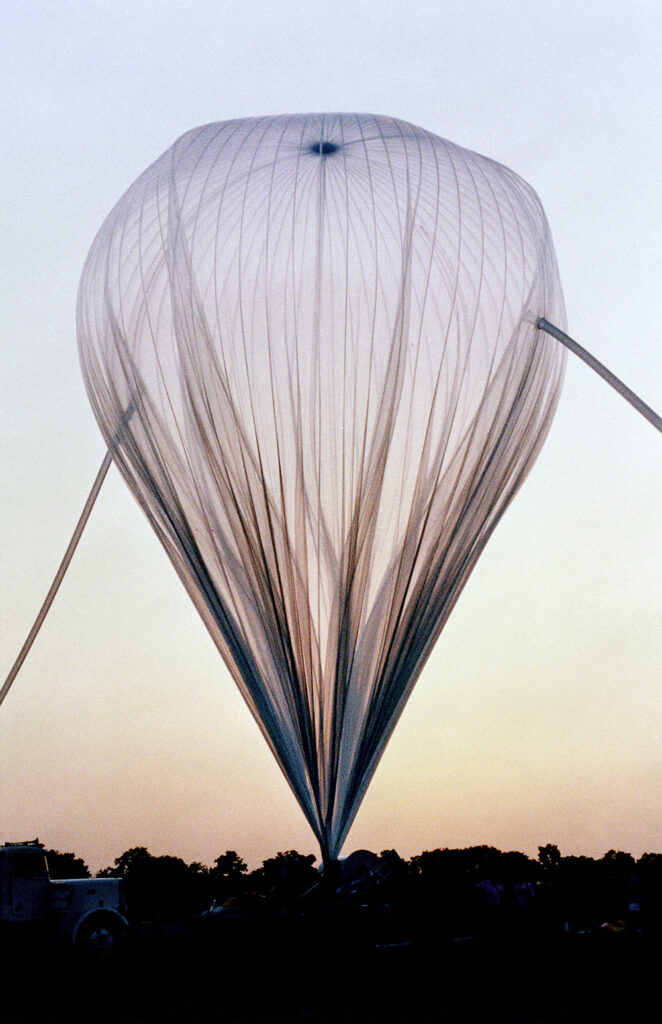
{"x":323,"y":148}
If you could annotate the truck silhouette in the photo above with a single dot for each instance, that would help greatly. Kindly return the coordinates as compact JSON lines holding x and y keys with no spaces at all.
{"x":84,"y":913}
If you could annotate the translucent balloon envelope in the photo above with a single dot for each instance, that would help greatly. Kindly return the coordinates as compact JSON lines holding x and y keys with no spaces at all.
{"x":310,"y":342}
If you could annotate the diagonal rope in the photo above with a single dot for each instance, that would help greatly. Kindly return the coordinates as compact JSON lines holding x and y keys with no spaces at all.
{"x":59,"y":576}
{"x":602,"y":371}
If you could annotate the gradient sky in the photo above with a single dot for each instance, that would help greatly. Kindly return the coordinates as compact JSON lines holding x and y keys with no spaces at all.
{"x":539,"y":715}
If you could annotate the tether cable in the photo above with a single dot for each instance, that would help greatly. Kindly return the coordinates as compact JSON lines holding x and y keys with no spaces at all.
{"x":59,"y":576}
{"x":602,"y":371}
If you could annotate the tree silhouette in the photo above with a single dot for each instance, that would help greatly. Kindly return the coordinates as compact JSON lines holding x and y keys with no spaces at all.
{"x":66,"y":865}
{"x":549,"y":857}
{"x":288,"y":874}
{"x":228,"y":876}
{"x":159,"y":886}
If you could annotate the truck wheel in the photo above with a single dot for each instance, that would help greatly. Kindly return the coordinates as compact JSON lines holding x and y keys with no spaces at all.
{"x":100,"y":937}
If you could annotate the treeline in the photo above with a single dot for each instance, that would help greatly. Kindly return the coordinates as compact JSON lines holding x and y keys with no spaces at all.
{"x":576,"y":893}
{"x":163,"y":886}
{"x":459,"y":887}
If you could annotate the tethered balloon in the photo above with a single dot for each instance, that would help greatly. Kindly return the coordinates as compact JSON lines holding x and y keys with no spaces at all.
{"x":326,"y":330}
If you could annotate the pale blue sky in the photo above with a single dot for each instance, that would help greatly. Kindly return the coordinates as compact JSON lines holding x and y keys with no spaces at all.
{"x":539,"y":717}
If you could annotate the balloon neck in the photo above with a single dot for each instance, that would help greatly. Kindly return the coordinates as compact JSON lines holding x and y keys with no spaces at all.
{"x":330,"y":873}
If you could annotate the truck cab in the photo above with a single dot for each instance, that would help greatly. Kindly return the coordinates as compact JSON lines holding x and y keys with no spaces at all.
{"x":24,"y":882}
{"x":85,"y":913}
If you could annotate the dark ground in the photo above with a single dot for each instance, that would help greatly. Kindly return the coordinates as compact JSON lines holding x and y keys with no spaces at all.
{"x":280,"y":972}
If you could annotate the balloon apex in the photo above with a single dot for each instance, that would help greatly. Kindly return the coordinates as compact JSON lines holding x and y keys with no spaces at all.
{"x":323,"y":148}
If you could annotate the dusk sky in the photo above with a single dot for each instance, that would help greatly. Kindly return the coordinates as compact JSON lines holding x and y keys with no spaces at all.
{"x":538,"y":718}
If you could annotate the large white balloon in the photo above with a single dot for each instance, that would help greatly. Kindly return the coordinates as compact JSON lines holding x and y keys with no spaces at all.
{"x":324,"y":330}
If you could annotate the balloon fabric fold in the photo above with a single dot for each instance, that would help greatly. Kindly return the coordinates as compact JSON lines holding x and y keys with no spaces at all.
{"x":326,"y":326}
